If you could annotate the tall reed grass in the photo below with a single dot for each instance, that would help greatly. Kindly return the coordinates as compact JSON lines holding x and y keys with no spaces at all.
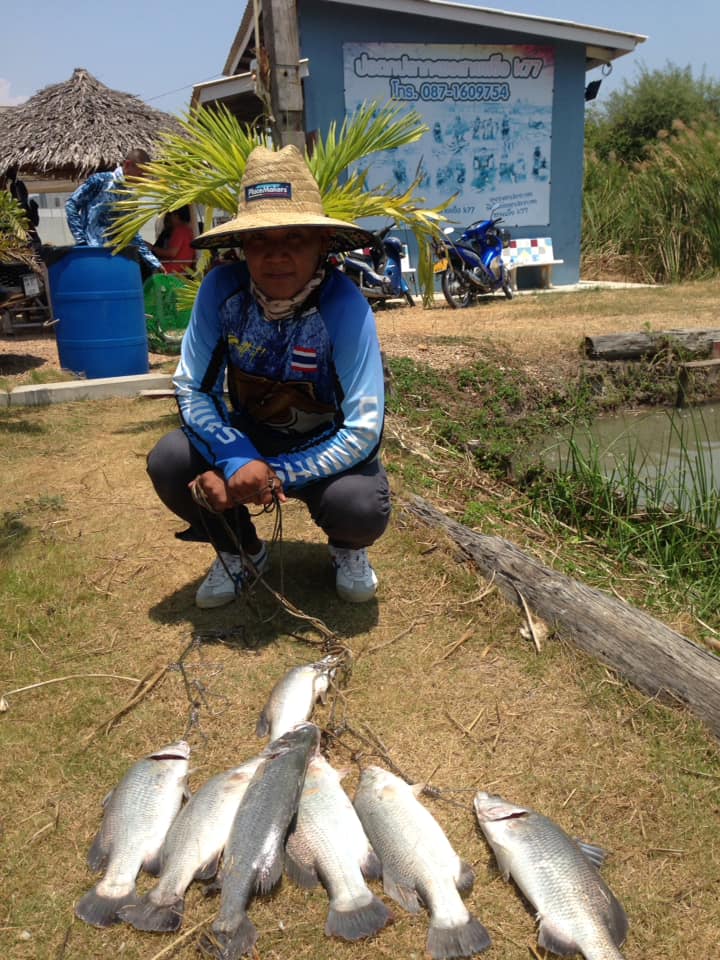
{"x":662,"y":215}
{"x":663,"y":511}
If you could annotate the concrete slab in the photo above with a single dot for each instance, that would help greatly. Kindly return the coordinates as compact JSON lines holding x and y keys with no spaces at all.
{"x":104,"y":388}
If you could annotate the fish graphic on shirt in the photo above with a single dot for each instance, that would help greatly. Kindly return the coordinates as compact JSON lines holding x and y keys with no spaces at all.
{"x":288,"y":405}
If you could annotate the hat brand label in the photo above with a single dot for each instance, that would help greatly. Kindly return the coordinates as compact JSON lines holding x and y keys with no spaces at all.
{"x":268,"y":191}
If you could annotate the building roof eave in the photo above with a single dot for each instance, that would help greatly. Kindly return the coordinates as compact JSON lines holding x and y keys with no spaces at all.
{"x":211,"y":90}
{"x":237,"y":93}
{"x":602,"y":45}
{"x":241,"y":41}
{"x":615,"y":42}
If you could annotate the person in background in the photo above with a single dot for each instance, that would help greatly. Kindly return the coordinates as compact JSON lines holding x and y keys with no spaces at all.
{"x":90,"y":210}
{"x":162,"y":238}
{"x":176,"y":251}
{"x":304,"y":372}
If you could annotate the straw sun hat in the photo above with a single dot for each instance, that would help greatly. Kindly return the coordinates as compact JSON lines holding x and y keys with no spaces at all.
{"x":279,"y":191}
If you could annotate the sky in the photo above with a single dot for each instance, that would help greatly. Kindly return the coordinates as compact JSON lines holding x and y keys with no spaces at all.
{"x":151,"y":48}
{"x":157,"y":50}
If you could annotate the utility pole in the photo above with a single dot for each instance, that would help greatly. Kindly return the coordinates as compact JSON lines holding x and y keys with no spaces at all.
{"x":282,"y":44}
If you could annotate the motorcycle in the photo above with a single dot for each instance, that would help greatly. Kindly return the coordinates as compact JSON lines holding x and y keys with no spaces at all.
{"x":377,"y":270}
{"x":23,"y":296}
{"x":473,"y":264}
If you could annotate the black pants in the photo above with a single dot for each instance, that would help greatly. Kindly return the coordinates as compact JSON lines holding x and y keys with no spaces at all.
{"x":352,"y":508}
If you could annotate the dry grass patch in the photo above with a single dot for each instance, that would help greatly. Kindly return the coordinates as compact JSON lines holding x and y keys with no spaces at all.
{"x":544,"y":331}
{"x":94,"y":583}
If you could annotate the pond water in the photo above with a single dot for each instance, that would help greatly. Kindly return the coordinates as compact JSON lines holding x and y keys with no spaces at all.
{"x":676,"y":450}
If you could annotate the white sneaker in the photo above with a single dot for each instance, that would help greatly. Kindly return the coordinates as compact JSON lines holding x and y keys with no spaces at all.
{"x":218,"y":588}
{"x":355,"y":579}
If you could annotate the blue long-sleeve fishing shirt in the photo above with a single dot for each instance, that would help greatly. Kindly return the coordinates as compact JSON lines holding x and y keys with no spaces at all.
{"x":306,"y":393}
{"x":90,"y":213}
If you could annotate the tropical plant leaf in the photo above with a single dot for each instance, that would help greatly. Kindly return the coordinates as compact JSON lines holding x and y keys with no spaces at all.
{"x":14,"y":226}
{"x":205,"y":164}
{"x":371,"y":129}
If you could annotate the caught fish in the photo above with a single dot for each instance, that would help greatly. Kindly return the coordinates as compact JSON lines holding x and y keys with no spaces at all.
{"x":328,"y":843}
{"x":293,"y":697}
{"x":192,"y":849}
{"x":418,"y":863}
{"x":576,"y":910}
{"x":138,"y":814}
{"x":254,"y":852}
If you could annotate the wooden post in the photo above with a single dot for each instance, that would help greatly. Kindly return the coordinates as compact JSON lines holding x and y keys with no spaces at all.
{"x":282,"y":42}
{"x":656,"y":659}
{"x":632,"y":346}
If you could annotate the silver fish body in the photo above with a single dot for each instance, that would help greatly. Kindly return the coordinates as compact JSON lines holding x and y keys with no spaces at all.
{"x":192,"y":849}
{"x":418,"y":863}
{"x":137,"y":817}
{"x":254,"y":852}
{"x":576,"y":910}
{"x":293,"y":697}
{"x":328,"y":843}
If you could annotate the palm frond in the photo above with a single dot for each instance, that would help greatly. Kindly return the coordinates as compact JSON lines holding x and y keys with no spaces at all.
{"x":205,"y":165}
{"x":371,"y":129}
{"x":14,"y":227}
{"x":352,"y":201}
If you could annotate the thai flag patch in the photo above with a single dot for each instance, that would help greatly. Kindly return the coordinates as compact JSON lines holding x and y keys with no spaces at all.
{"x":303,"y":360}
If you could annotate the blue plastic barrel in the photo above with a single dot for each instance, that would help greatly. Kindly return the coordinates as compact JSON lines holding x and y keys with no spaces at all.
{"x":97,"y":300}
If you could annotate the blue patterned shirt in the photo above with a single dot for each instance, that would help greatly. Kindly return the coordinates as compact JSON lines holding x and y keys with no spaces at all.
{"x":90,"y":213}
{"x":306,"y":393}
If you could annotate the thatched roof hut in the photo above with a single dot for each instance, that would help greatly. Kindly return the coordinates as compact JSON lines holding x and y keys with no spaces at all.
{"x":70,"y":130}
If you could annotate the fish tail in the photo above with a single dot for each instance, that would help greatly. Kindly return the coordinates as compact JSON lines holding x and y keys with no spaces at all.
{"x":100,"y":911}
{"x":463,"y":941}
{"x":144,"y":914}
{"x":359,"y":923}
{"x":229,"y":944}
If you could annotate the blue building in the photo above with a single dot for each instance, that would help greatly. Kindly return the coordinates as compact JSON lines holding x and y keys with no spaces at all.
{"x":503,"y":95}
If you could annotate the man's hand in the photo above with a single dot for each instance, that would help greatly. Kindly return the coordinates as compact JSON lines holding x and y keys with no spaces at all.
{"x":212,"y":484}
{"x":253,"y":483}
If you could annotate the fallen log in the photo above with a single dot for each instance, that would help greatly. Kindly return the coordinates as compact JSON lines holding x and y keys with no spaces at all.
{"x":656,"y":659}
{"x":634,"y":346}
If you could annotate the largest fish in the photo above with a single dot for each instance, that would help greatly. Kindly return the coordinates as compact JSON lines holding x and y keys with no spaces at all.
{"x":419,"y":863}
{"x":254,"y":853}
{"x":576,"y":910}
{"x":137,"y":816}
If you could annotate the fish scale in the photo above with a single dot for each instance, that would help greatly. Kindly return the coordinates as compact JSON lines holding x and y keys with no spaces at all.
{"x":577,"y":911}
{"x":328,"y":843}
{"x":192,"y":849}
{"x":137,"y":816}
{"x":253,"y":858}
{"x":418,"y":863}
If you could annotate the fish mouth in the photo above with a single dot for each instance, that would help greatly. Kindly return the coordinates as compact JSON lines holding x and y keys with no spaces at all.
{"x":329,"y":665}
{"x":173,"y":751}
{"x":288,"y":741}
{"x":491,"y":809}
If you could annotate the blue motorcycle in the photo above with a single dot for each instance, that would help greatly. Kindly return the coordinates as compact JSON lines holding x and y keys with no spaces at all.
{"x":473,"y":264}
{"x":377,"y":270}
